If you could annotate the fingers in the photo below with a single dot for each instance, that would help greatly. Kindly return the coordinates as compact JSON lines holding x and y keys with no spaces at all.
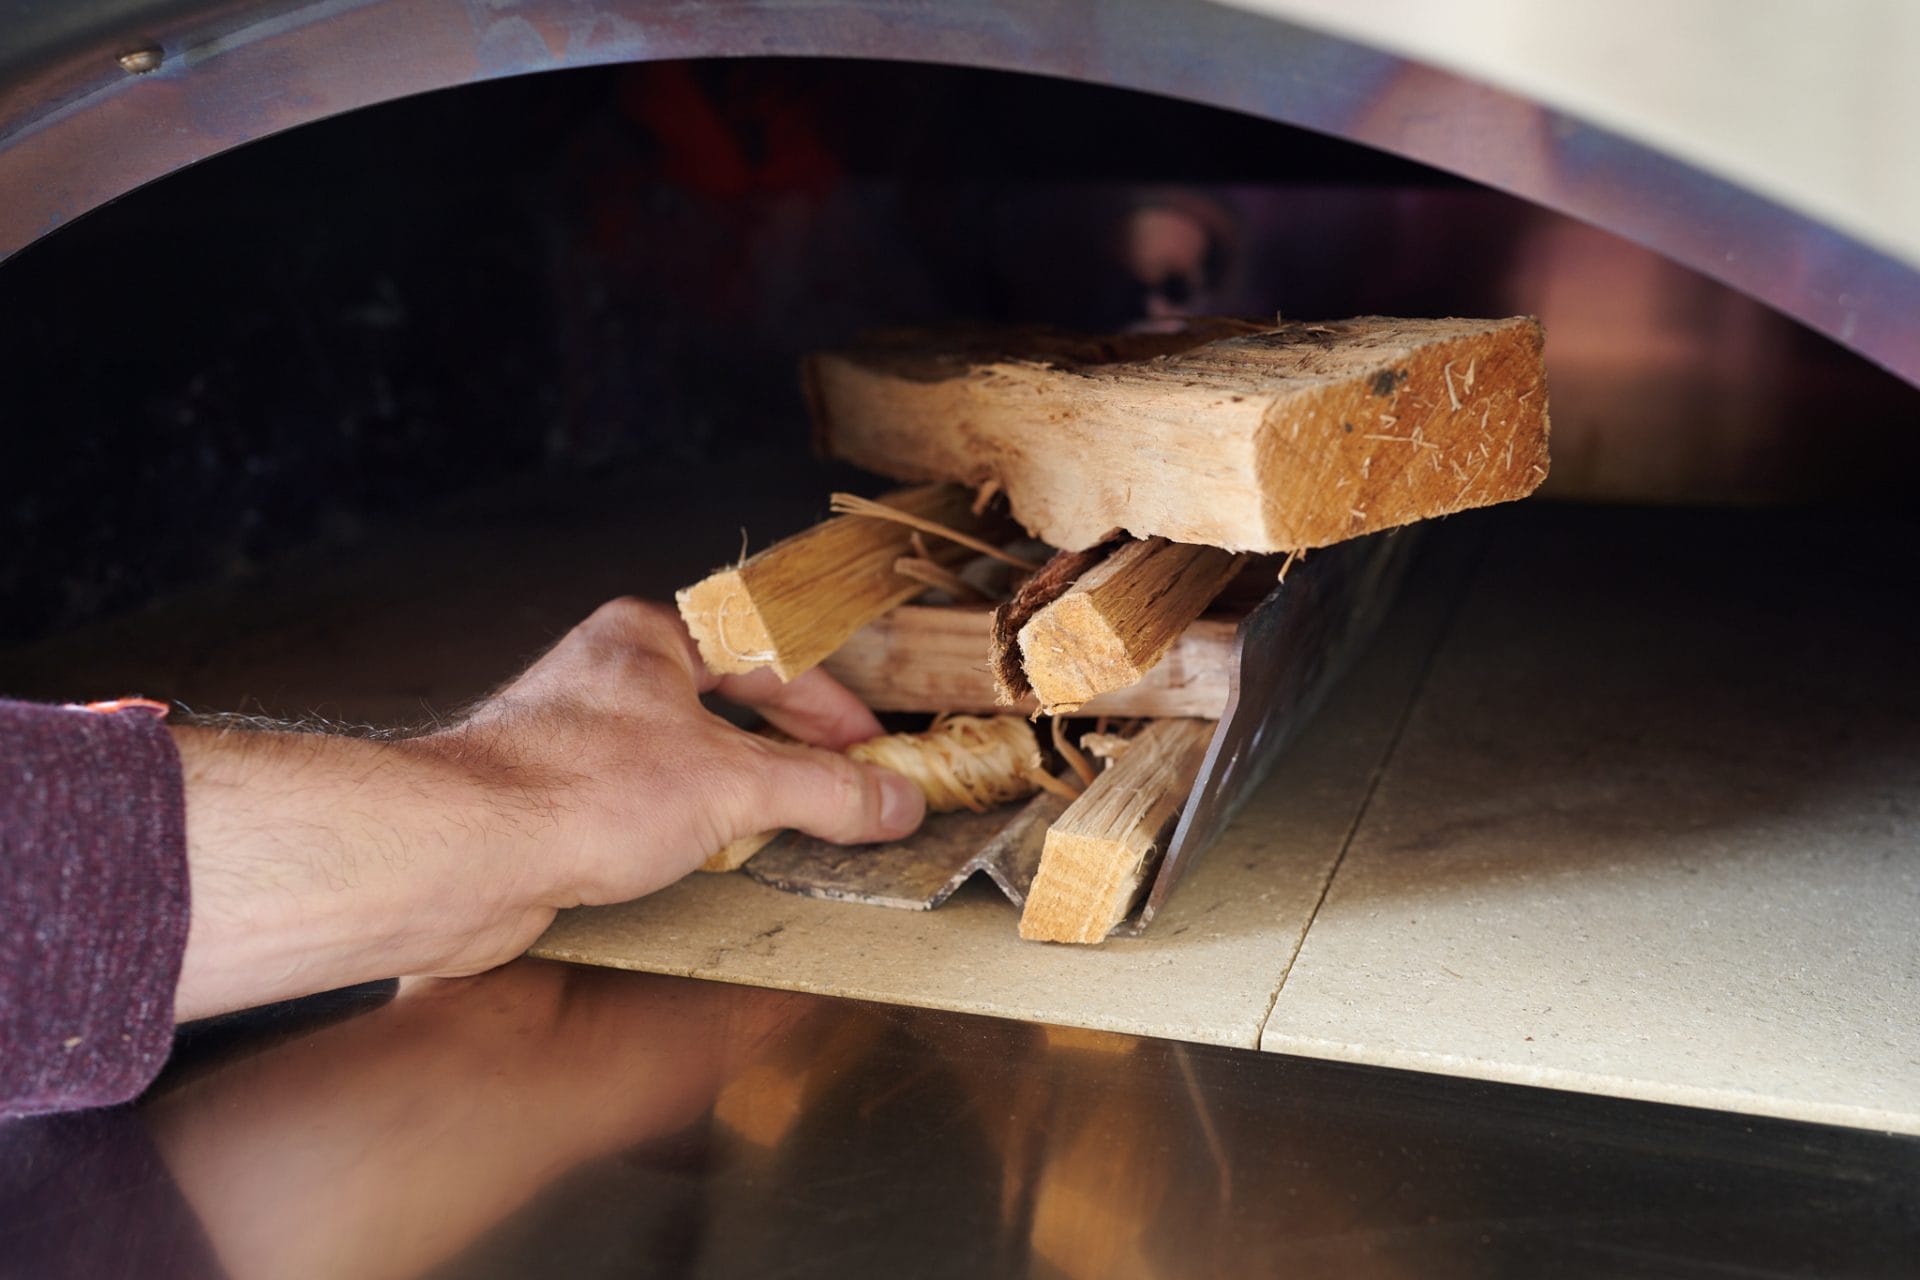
{"x":829,"y":796}
{"x":636,"y":656}
{"x":813,"y":706}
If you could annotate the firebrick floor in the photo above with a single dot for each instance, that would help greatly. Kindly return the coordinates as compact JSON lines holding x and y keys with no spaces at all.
{"x":1631,"y":807}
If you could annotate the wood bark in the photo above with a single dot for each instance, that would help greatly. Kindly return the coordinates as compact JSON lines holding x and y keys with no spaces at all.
{"x":1251,"y":438}
{"x":1119,"y":620}
{"x":796,"y":602}
{"x":934,"y":658}
{"x":1100,"y":853}
{"x":1039,"y":590}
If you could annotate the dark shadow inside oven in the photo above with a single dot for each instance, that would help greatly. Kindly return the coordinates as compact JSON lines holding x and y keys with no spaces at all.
{"x":553,"y":280}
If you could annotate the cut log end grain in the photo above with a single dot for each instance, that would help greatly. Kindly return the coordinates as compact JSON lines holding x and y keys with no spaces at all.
{"x":1119,"y":620}
{"x":1255,"y":438}
{"x":1101,"y":852}
{"x":796,"y":602}
{"x":720,"y":613}
{"x":1053,"y":580}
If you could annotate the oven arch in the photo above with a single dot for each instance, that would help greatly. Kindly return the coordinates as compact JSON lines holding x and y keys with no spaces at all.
{"x":98,"y":97}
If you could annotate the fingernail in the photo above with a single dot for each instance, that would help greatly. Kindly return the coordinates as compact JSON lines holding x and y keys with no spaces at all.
{"x":901,"y":804}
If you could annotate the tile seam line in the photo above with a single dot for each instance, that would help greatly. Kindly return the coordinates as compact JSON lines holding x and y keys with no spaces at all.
{"x":1476,"y":558}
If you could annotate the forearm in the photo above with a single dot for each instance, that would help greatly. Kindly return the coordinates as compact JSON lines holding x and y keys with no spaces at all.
{"x":93,"y":875}
{"x":319,"y":861}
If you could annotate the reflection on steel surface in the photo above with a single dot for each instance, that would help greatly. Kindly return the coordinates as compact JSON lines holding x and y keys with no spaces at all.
{"x":543,"y":1120}
{"x":77,"y":128}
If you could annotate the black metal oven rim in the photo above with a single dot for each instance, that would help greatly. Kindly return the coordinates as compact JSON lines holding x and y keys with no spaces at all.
{"x":98,"y":97}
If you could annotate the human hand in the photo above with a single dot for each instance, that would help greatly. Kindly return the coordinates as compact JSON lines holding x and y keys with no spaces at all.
{"x":614,"y":781}
{"x":596,"y":776}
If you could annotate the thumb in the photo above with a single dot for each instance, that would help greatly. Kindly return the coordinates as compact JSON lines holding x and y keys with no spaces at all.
{"x":827,"y":795}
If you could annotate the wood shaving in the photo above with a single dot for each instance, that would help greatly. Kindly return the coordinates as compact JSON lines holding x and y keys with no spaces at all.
{"x":964,"y":762}
{"x":850,"y":504}
{"x":1068,"y":752}
{"x":934,"y":575}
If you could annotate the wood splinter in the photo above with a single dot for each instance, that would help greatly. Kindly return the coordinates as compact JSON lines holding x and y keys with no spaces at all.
{"x":1105,"y":747}
{"x":796,"y":602}
{"x":1116,"y":622}
{"x":1100,"y":853}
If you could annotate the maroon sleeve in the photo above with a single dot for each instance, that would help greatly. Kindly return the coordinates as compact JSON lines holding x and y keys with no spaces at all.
{"x":93,"y":904}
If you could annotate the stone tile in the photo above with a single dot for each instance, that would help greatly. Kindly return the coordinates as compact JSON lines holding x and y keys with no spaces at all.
{"x":1651,"y":829}
{"x":1206,"y":971}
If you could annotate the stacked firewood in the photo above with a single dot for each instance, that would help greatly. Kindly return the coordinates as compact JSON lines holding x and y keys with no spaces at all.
{"x":1082,"y":504}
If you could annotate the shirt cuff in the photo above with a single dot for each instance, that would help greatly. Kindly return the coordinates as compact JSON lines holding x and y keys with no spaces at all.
{"x":93,"y":904}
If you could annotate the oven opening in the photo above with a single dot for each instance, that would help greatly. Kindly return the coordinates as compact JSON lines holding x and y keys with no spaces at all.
{"x":346,"y":425}
{"x":550,"y":281}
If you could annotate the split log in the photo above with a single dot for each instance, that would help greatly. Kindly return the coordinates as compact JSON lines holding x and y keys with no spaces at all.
{"x":1118,"y":621}
{"x":1100,"y":853}
{"x":1038,"y":591}
{"x":796,"y":602}
{"x":1246,"y":437}
{"x":932,"y":659}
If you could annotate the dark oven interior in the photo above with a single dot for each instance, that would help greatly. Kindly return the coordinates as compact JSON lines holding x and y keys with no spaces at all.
{"x":561,"y":282}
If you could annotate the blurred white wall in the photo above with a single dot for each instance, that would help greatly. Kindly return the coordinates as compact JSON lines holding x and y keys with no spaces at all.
{"x":1814,"y":103}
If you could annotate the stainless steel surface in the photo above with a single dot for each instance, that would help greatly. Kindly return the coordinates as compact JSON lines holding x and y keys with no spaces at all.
{"x":77,"y":130}
{"x":544,"y":1120}
{"x":1289,"y":652}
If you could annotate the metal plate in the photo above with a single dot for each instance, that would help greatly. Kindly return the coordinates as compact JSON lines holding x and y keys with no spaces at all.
{"x":921,"y":872}
{"x":1291,"y":649}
